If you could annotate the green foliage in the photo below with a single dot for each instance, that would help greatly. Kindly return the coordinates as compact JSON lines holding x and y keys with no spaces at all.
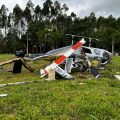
{"x":50,"y":37}
{"x":41,"y":35}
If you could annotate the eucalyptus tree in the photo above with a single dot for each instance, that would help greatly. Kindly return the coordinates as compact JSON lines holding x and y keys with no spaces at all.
{"x":56,"y":12}
{"x":41,"y":37}
{"x":64,"y":16}
{"x":38,"y":15}
{"x":65,"y":9}
{"x":92,"y":23}
{"x":112,"y":27}
{"x":108,"y":32}
{"x":101,"y":23}
{"x":30,"y":6}
{"x":12,"y":40}
{"x":3,"y":46}
{"x":57,"y":7}
{"x":17,"y":12}
{"x":4,"y":11}
{"x":10,"y":21}
{"x":73,"y":16}
{"x":116,"y":42}
{"x":28,"y":13}
{"x":0,"y":19}
{"x":118,"y":22}
{"x":46,"y":11}
{"x":56,"y":38}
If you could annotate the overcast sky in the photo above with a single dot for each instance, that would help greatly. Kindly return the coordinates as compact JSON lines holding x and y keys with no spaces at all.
{"x":80,"y":7}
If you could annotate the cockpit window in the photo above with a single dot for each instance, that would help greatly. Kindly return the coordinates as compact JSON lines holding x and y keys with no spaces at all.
{"x":97,"y":51}
{"x":105,"y":55}
{"x":86,"y":50}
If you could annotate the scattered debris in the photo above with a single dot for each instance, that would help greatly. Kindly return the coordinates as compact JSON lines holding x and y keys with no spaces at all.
{"x":117,"y":77}
{"x":2,"y":85}
{"x":18,"y":83}
{"x":3,"y":95}
{"x":81,"y":83}
{"x":93,"y":117}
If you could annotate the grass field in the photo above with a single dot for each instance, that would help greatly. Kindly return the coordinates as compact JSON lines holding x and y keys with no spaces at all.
{"x":96,"y":99}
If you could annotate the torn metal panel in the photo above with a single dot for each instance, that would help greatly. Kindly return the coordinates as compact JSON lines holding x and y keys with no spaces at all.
{"x":63,"y":73}
{"x":69,"y":65}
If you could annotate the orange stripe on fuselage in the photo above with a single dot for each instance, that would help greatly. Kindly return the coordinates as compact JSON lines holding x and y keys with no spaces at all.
{"x":60,"y":59}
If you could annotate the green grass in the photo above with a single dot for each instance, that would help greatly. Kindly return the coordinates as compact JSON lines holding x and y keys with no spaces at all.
{"x":97,"y":99}
{"x":6,"y":56}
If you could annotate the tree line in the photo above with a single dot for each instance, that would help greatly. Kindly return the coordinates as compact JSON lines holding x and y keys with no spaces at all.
{"x":38,"y":29}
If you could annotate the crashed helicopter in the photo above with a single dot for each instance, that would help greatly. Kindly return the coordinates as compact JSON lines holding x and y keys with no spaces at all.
{"x":75,"y":56}
{"x":79,"y":59}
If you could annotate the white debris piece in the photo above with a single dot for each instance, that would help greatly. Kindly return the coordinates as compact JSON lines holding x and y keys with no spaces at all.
{"x":117,"y":77}
{"x":3,"y":95}
{"x":19,"y":83}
